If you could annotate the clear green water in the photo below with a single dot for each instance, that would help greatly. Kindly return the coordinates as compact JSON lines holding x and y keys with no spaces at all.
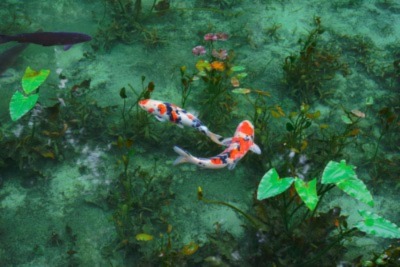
{"x":66,"y":198}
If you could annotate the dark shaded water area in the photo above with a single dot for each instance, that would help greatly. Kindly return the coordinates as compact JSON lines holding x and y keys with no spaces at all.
{"x":87,"y":178}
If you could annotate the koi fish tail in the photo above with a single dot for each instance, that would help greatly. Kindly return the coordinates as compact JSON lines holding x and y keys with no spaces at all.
{"x":183,"y":156}
{"x":215,"y":137}
{"x":4,"y":39}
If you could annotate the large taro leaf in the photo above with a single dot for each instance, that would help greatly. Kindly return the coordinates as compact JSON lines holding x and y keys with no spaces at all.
{"x":271,"y":185}
{"x":357,"y":189}
{"x":33,"y":79}
{"x":307,"y":192}
{"x":344,"y":176}
{"x":376,"y":225}
{"x":20,"y":104}
{"x":335,"y":172}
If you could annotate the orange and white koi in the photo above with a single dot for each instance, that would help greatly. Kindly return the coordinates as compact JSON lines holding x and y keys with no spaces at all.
{"x":164,"y":111}
{"x":241,"y":142}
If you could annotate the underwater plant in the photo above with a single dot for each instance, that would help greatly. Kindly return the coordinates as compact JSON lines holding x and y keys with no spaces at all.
{"x":218,"y":76}
{"x":288,"y":229}
{"x":306,"y":72}
{"x":22,"y":103}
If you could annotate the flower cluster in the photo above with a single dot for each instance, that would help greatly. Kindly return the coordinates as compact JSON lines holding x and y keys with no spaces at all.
{"x":220,"y":54}
{"x":220,"y":36}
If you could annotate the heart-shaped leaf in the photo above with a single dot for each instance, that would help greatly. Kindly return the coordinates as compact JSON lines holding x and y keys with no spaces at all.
{"x":271,"y":185}
{"x":307,"y":192}
{"x":33,"y":79}
{"x":376,"y":225}
{"x":335,"y":172}
{"x":20,"y":104}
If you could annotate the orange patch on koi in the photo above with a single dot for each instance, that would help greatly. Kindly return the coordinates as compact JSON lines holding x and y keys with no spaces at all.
{"x":216,"y":161}
{"x":162,"y":108}
{"x":246,"y":129}
{"x":143,"y":102}
{"x":174,"y":116}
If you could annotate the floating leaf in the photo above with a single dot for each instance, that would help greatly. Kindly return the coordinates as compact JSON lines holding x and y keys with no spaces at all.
{"x":202,"y":65}
{"x":242,"y":91}
{"x":358,"y":113}
{"x":335,"y":172}
{"x":20,"y":104}
{"x":260,"y":92}
{"x":271,"y":185}
{"x":241,"y":75}
{"x":235,"y":82}
{"x":376,"y":225}
{"x":190,"y":249}
{"x":144,"y":237}
{"x":33,"y":79}
{"x":238,"y":68}
{"x":307,"y":192}
{"x":357,"y":189}
{"x":346,"y":119}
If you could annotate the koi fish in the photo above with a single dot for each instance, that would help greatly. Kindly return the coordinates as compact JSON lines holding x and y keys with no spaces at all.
{"x":241,"y":142}
{"x":164,"y":111}
{"x":47,"y":38}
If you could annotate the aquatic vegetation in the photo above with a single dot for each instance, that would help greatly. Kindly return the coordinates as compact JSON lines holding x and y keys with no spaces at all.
{"x":125,"y":23}
{"x":306,"y":72}
{"x":22,"y":103}
{"x":136,"y":123}
{"x":293,"y":223}
{"x":215,"y":71}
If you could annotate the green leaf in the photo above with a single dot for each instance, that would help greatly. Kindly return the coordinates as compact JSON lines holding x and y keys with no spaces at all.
{"x":33,"y":79}
{"x":335,"y":172}
{"x":357,"y":189}
{"x":307,"y":192}
{"x":345,"y":178}
{"x":241,"y":91}
{"x":271,"y":185}
{"x":376,"y":225}
{"x":20,"y":104}
{"x":346,"y":119}
{"x":238,"y":68}
{"x":241,"y":75}
{"x":289,"y":127}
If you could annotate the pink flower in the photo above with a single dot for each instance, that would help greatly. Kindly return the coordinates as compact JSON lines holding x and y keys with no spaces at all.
{"x":210,"y":37}
{"x":199,"y":50}
{"x":220,"y":36}
{"x":220,"y":54}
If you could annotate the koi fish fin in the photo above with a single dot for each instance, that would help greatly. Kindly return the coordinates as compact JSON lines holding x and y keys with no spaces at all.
{"x":179,"y":125}
{"x":67,"y":47}
{"x":255,"y":148}
{"x":226,"y":141}
{"x":159,"y":118}
{"x":232,"y":165}
{"x":183,"y":156}
{"x":215,"y":138}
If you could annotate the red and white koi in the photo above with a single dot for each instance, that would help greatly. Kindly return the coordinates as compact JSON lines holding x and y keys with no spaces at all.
{"x":164,"y":111}
{"x":241,"y":142}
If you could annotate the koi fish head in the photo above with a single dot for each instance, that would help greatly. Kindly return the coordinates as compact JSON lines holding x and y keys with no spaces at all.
{"x":149,"y":105}
{"x":245,"y":130}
